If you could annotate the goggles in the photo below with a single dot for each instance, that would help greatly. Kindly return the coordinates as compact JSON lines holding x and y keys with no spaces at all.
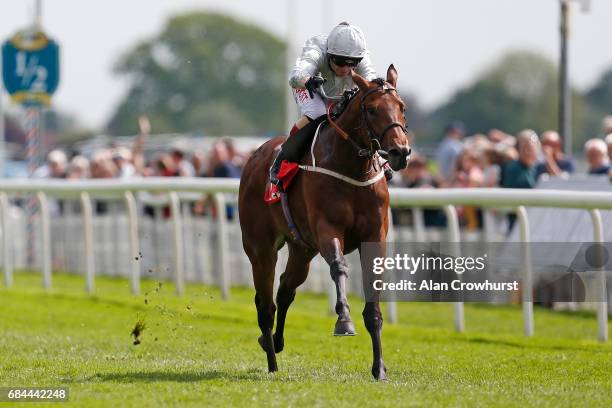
{"x":344,"y":61}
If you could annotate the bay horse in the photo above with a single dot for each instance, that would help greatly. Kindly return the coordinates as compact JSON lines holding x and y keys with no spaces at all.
{"x":333,"y":216}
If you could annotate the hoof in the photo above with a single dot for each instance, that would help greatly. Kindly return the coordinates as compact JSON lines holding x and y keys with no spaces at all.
{"x":380,"y":372}
{"x":344,"y":328}
{"x":272,"y":366}
{"x":279,"y":344}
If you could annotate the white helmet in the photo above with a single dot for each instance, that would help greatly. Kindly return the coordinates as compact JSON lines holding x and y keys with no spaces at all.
{"x":346,"y":40}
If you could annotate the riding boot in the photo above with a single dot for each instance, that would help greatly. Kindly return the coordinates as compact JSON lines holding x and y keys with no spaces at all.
{"x":293,"y":148}
{"x":274,"y":169}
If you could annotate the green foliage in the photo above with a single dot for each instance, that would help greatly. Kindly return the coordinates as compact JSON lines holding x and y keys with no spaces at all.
{"x":198,"y":350}
{"x":520,"y":91}
{"x":205,"y":72}
{"x":599,"y":102}
{"x":600,"y":95}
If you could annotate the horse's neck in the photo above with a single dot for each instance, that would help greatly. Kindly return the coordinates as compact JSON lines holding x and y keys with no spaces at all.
{"x":335,"y":153}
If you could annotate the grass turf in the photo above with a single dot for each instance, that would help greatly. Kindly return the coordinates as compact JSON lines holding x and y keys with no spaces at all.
{"x":199,"y":350}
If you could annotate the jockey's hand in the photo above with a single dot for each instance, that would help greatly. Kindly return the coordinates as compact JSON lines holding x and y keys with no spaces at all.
{"x":313,"y":83}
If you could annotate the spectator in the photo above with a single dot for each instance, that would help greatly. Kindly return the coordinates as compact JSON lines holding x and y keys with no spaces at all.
{"x":220,"y":165}
{"x":236,"y":158}
{"x":449,"y":150}
{"x":78,"y":169}
{"x":183,"y":168}
{"x":122,"y":157}
{"x":55,"y":167}
{"x":467,"y":172}
{"x":496,"y":136}
{"x":164,"y":166}
{"x":220,"y":162}
{"x":521,"y":173}
{"x":596,"y":153}
{"x":138,"y":158}
{"x":197,"y":161}
{"x":555,"y":163}
{"x":102,"y":165}
{"x":492,"y":160}
{"x":416,"y":175}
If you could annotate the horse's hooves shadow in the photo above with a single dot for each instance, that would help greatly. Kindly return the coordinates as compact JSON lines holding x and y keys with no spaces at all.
{"x":178,"y":376}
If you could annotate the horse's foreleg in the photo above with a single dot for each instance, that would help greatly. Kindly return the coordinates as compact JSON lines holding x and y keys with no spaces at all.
{"x":295,"y":274}
{"x":263,"y":274}
{"x":373,"y":322}
{"x":332,"y":252}
{"x":372,"y":316}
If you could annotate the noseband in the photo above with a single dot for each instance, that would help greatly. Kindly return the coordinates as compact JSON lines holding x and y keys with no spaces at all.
{"x":374,"y":137}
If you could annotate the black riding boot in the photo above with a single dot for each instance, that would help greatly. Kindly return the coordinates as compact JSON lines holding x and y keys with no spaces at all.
{"x":293,"y":148}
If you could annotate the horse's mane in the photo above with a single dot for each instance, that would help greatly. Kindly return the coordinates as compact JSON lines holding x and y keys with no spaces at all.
{"x":349,"y":95}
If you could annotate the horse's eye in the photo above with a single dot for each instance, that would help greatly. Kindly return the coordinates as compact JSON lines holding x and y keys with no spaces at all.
{"x":371,"y":111}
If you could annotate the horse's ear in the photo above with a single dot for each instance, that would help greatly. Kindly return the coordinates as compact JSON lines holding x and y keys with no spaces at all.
{"x":392,"y":75}
{"x":361,"y":82}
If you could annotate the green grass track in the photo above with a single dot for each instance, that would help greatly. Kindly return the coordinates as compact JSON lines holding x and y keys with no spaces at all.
{"x":197,"y":350}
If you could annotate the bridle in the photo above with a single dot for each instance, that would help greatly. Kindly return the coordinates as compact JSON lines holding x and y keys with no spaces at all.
{"x":373,"y":137}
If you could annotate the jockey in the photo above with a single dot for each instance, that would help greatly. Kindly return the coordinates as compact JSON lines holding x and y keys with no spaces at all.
{"x":328,"y":61}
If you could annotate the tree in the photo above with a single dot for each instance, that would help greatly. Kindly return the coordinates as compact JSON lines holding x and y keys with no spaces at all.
{"x":600,"y":95}
{"x":599,"y":102}
{"x":518,"y":92}
{"x":205,"y":72}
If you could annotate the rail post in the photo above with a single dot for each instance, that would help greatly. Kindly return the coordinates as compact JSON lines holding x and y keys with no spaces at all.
{"x":86,"y":208}
{"x":455,"y":238}
{"x":528,"y":324}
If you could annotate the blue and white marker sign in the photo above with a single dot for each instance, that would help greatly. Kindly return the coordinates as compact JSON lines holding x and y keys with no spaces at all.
{"x":30,"y":67}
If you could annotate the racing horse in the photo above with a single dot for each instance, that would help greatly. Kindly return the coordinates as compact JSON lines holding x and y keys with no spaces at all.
{"x":334,"y":210}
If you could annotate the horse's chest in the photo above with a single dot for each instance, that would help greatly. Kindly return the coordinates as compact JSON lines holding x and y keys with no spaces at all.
{"x":369,"y":215}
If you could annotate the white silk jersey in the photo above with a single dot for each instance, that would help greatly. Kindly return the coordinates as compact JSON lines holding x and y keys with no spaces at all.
{"x":313,"y":61}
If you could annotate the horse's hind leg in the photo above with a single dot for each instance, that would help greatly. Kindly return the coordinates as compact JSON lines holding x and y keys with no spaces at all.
{"x":263,"y":276}
{"x":295,"y":274}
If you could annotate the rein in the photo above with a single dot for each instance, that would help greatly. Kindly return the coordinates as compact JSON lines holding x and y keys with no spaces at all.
{"x":317,"y":169}
{"x":374,"y":138}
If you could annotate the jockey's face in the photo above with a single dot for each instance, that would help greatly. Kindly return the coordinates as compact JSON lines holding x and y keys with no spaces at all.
{"x":340,"y":71}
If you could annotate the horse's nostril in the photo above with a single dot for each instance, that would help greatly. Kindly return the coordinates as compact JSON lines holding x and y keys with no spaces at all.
{"x":401,"y":152}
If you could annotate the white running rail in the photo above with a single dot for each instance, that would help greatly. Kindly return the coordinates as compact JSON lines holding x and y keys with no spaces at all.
{"x":417,"y":199}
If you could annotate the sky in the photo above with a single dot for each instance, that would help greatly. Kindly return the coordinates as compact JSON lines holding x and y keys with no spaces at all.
{"x":437,"y":46}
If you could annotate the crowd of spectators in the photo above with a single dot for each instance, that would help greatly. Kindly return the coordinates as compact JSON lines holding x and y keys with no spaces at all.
{"x":128,"y":162}
{"x":496,"y":159}
{"x":121,"y":162}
